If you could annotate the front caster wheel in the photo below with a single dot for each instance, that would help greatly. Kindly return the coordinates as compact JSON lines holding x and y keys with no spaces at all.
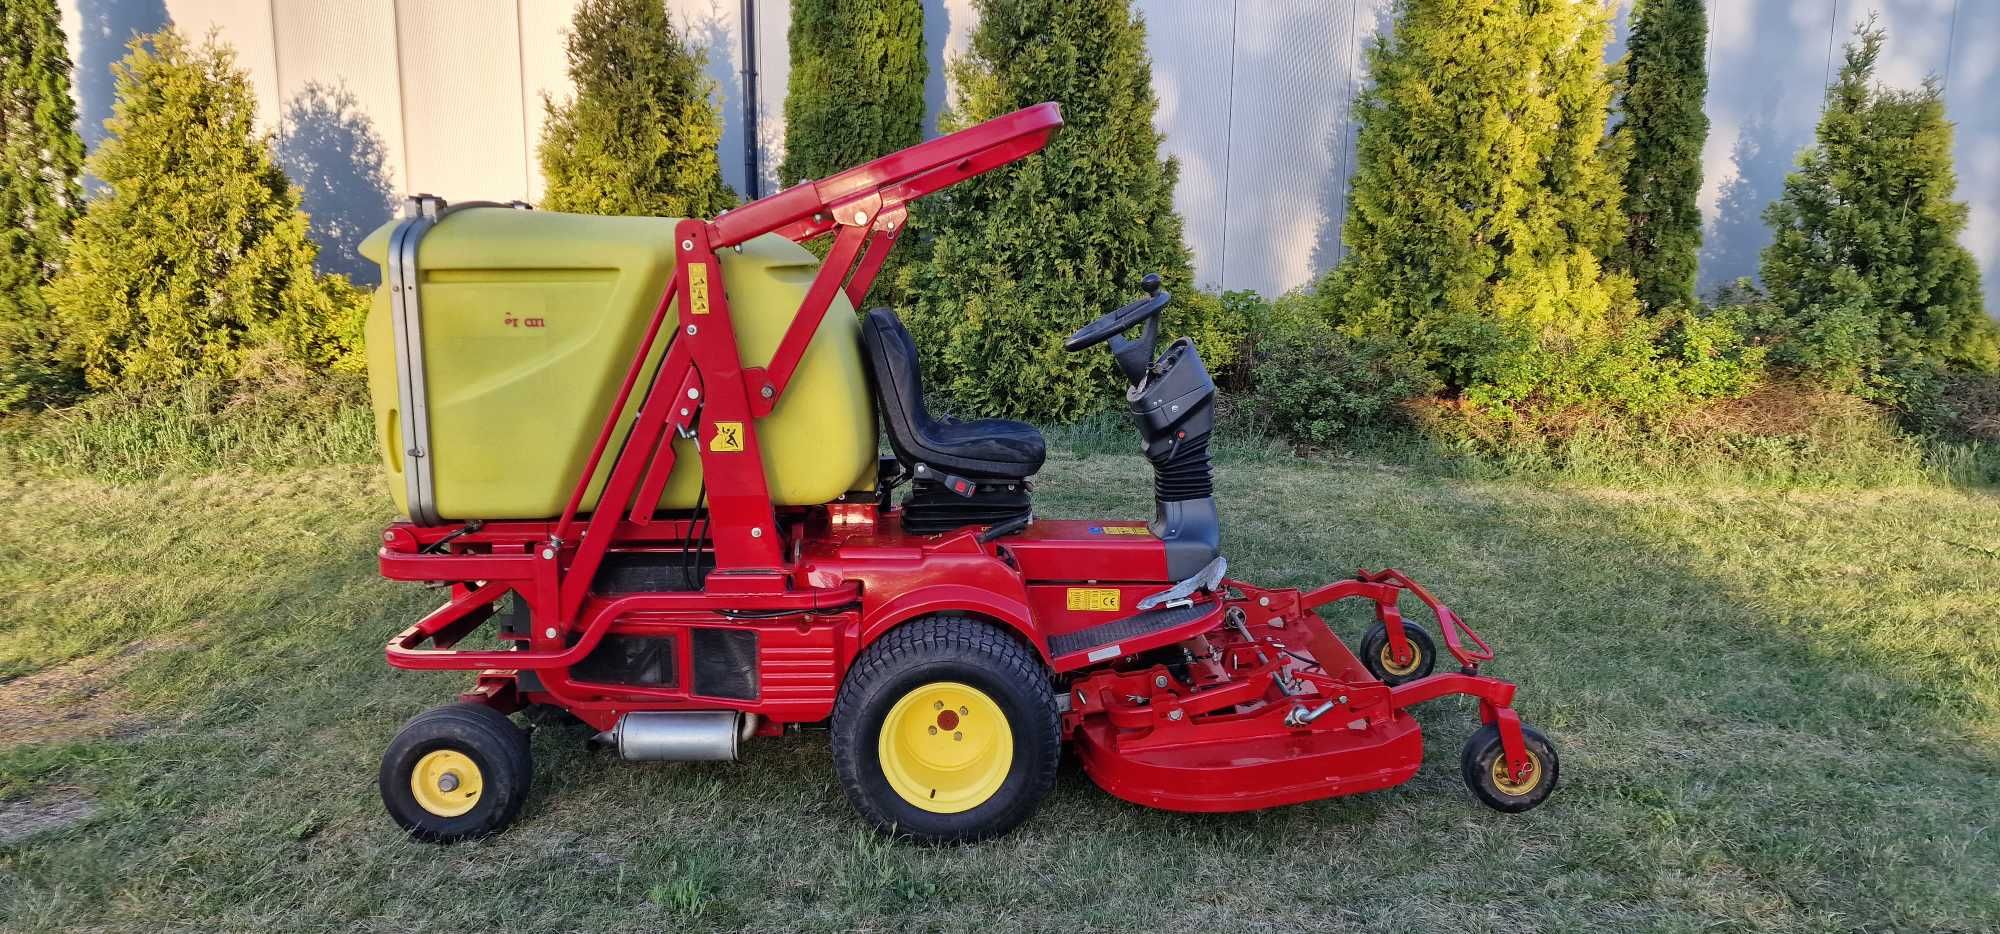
{"x":946,"y":731}
{"x":1378,"y":655}
{"x":456,"y":772}
{"x":1484,"y":765}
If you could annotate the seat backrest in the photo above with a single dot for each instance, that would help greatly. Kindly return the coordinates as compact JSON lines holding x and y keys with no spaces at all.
{"x":897,"y":376}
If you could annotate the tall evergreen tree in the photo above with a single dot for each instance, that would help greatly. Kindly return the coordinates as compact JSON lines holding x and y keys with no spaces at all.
{"x":1021,"y":256}
{"x":640,"y":135}
{"x":1866,"y":273}
{"x":1485,"y":200}
{"x":1665,"y":127}
{"x":196,"y":258}
{"x":40,"y":158}
{"x":857,"y":84}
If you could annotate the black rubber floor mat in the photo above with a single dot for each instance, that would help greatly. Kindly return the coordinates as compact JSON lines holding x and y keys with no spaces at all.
{"x":1131,"y":627}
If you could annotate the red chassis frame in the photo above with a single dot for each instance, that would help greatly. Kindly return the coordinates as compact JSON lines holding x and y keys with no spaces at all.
{"x":819,"y":584}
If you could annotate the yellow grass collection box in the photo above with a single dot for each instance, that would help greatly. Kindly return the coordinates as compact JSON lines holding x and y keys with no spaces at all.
{"x":490,"y":387}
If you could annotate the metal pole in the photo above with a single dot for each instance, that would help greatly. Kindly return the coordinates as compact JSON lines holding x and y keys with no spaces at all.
{"x":750,"y":171}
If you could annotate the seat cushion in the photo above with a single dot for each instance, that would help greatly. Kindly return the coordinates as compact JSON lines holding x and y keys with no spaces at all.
{"x":992,"y":448}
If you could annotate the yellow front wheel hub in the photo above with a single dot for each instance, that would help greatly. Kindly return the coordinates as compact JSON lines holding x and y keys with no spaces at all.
{"x":946,"y":747}
{"x":1505,"y":781}
{"x":1388,"y":657}
{"x":446,"y":783}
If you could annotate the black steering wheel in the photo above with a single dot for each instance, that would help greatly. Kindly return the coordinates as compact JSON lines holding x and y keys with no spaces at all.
{"x":1112,"y":323}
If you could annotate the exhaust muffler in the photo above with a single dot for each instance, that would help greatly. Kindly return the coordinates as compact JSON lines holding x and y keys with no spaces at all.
{"x":680,"y":735}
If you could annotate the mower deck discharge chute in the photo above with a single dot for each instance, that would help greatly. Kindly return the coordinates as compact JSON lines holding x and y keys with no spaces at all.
{"x":701,"y":546}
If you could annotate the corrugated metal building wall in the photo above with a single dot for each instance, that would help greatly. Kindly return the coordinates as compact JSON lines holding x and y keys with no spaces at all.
{"x":1253,"y":100}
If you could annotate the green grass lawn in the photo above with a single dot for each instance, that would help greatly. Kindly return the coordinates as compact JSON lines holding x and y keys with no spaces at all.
{"x":1777,"y":711}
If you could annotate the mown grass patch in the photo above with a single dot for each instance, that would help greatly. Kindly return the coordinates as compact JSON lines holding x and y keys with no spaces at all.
{"x":1778,"y":711}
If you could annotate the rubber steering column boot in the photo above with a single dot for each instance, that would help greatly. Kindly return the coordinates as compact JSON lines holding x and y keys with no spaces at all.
{"x":1174,"y":409}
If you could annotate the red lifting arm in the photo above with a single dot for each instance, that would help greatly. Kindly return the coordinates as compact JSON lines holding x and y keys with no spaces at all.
{"x":808,"y":209}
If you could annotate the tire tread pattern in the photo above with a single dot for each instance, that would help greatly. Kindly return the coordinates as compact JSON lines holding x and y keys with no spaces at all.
{"x":943,"y":638}
{"x":468,"y":722}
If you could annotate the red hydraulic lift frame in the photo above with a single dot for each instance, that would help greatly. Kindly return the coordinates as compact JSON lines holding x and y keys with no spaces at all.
{"x":703,"y":385}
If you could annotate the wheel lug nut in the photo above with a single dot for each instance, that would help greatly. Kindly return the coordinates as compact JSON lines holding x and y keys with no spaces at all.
{"x":937,"y":705}
{"x":957,"y":736}
{"x":933,"y":731}
{"x":962,"y":711}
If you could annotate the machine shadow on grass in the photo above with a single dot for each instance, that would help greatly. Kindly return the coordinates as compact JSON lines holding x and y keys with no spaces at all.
{"x":1754,"y":736}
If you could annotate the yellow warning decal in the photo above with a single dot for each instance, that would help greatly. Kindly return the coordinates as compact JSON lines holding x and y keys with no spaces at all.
{"x":1093,"y":599}
{"x":698,"y":292}
{"x":1127,"y":530}
{"x":728,"y":437}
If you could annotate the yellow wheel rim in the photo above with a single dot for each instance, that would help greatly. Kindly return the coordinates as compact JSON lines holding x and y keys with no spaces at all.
{"x":946,"y":747}
{"x":446,"y":783}
{"x":1388,"y":657}
{"x":1506,"y":783}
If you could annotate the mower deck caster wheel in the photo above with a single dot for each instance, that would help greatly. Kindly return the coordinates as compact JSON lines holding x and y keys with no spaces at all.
{"x":946,"y":731}
{"x":1378,"y":655}
{"x":456,"y":772}
{"x":1484,"y":764}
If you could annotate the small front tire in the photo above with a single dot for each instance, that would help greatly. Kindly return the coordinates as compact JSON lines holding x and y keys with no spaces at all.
{"x":1484,"y":765}
{"x":456,"y":772}
{"x":1378,"y":654}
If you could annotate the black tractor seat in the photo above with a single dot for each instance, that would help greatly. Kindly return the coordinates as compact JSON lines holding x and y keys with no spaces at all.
{"x":982,"y":449}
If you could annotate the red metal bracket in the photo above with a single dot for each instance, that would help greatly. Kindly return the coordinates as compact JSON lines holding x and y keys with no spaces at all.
{"x":1383,"y":588}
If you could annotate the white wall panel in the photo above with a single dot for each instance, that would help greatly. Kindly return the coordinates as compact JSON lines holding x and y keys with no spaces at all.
{"x":341,"y":113}
{"x":774,"y":72}
{"x":1189,"y":46}
{"x":462,"y":97}
{"x":346,"y":47}
{"x":1253,"y":94}
{"x":1972,"y":96}
{"x":1295,"y":78}
{"x":544,"y":72}
{"x":711,"y":27}
{"x":98,"y":31}
{"x":947,"y":37}
{"x":1767,"y":72}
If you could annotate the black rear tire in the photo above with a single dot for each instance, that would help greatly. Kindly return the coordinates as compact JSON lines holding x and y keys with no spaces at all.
{"x":1375,"y":654}
{"x":924,"y":655}
{"x":474,"y":765}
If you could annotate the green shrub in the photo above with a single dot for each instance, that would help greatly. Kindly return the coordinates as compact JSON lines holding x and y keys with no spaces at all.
{"x":856,"y":93}
{"x":1013,"y":260}
{"x":1779,"y":433}
{"x":196,"y":261}
{"x":40,"y":157}
{"x":1478,"y":240}
{"x":1316,"y":386}
{"x":1632,"y":367}
{"x":640,"y":135}
{"x":282,"y":420}
{"x":1663,"y":128}
{"x":1219,"y":323}
{"x":1867,"y":280}
{"x":856,"y":90}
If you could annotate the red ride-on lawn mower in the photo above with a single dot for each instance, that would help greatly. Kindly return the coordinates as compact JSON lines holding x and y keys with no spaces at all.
{"x":726,"y":556}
